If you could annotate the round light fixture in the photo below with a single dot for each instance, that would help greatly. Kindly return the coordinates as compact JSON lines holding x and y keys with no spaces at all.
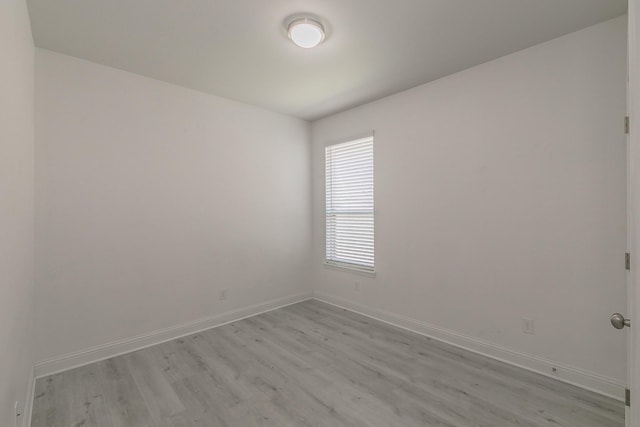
{"x":306,"y":32}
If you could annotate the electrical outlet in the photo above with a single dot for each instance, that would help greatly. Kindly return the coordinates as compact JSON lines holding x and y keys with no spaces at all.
{"x":223,"y":294}
{"x":18,"y":413}
{"x":527,"y":326}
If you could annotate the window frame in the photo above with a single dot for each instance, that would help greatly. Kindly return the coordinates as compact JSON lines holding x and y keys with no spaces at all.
{"x":363,"y":269}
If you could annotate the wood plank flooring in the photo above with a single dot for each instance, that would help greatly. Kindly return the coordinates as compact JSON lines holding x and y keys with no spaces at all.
{"x":311,"y":364}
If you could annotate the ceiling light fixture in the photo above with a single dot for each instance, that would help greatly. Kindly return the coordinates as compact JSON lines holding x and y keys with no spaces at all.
{"x":306,"y":32}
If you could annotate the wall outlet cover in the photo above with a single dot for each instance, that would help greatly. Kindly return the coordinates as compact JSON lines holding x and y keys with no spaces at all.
{"x":17,"y":412}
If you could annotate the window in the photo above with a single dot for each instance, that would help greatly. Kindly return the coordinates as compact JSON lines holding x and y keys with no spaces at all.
{"x":349,"y":205}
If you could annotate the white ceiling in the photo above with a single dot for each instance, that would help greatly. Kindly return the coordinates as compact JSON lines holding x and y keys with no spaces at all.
{"x":239,"y":48}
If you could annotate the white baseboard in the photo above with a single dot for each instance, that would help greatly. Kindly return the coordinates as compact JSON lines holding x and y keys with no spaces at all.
{"x":127,"y":345}
{"x":569,"y":374}
{"x":28,"y":401}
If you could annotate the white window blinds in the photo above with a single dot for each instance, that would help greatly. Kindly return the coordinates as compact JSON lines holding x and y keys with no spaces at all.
{"x":349,"y":204}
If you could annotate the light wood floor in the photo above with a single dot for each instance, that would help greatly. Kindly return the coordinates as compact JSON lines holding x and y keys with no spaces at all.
{"x":311,"y":364}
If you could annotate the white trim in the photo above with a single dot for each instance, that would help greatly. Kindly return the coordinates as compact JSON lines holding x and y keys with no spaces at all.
{"x":569,"y":374}
{"x":359,"y":136}
{"x":354,"y":141}
{"x":633,"y":100}
{"x":28,"y":401}
{"x":351,"y":268}
{"x":127,"y":345}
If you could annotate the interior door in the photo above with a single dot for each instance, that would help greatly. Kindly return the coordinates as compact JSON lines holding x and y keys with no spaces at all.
{"x":633,"y":368}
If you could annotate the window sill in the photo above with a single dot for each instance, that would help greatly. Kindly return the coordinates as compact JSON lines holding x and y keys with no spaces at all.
{"x":350,"y":269}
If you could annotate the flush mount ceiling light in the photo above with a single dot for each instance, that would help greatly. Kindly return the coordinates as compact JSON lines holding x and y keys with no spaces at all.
{"x":306,"y":32}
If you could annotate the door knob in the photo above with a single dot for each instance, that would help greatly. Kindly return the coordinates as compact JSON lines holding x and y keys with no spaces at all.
{"x":618,"y":321}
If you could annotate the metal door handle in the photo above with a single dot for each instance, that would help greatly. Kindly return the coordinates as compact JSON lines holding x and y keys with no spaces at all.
{"x":618,"y":321}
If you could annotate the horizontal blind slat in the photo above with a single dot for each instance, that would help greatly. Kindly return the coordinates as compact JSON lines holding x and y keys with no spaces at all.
{"x":349,"y":203}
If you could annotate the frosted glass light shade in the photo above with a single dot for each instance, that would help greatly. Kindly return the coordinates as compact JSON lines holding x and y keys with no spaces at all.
{"x":306,"y":32}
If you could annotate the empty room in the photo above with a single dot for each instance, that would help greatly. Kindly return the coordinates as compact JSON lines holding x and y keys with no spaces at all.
{"x":319,"y":213}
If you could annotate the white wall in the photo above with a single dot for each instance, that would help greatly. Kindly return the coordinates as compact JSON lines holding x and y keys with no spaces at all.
{"x":500,"y":195}
{"x":151,"y":198}
{"x":16,"y":206}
